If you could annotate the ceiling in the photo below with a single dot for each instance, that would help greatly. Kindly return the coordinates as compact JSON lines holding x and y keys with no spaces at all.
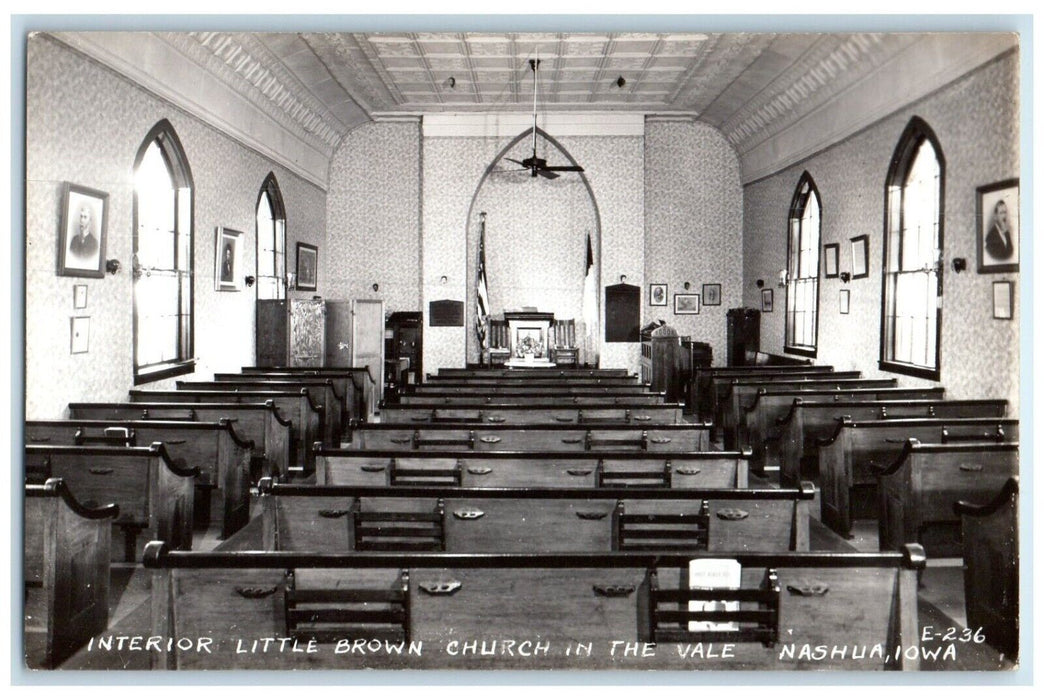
{"x":316,"y":87}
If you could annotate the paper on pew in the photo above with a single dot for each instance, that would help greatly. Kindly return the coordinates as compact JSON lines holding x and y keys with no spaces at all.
{"x":714,"y":573}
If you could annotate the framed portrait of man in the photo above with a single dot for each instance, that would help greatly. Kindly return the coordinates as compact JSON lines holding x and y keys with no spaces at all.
{"x":227,"y":255}
{"x":997,"y":208}
{"x":307,"y":267}
{"x":81,"y":234}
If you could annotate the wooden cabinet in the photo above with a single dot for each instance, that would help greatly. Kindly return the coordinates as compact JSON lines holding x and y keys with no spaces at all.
{"x":291,"y":333}
{"x":404,"y":340}
{"x":744,"y":335}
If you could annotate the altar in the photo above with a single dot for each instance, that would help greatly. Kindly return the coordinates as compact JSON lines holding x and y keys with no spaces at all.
{"x":529,"y":338}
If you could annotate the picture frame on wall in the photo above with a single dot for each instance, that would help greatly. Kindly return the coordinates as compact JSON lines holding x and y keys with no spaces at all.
{"x":227,"y":260}
{"x":686,"y":304}
{"x":307,"y":267}
{"x":657,"y":295}
{"x":1004,"y":300}
{"x":997,"y":218}
{"x":844,"y":301}
{"x":82,"y":231}
{"x":766,"y":301}
{"x":79,"y":296}
{"x":831,"y":254}
{"x":712,"y":294}
{"x":860,"y":257}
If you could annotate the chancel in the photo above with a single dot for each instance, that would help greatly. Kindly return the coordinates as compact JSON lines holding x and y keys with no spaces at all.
{"x":574,"y":350}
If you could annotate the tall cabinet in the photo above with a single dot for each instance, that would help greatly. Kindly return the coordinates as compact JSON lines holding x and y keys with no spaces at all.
{"x":291,"y":333}
{"x":404,"y":340}
{"x":744,"y":335}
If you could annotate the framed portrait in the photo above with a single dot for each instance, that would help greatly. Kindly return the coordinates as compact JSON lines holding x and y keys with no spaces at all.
{"x":80,"y":333}
{"x":997,"y":217}
{"x":227,"y":260}
{"x":766,"y":301}
{"x":1004,"y":300}
{"x":686,"y":304}
{"x":844,"y":301}
{"x":860,"y":257}
{"x":79,"y":296}
{"x":81,"y":233}
{"x":831,"y":253}
{"x":712,"y":294}
{"x":307,"y":267}
{"x":657,"y":295}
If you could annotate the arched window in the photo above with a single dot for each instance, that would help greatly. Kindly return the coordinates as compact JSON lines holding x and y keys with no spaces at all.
{"x":162,"y":258}
{"x":911,"y":312}
{"x":802,"y":311}
{"x":271,"y":241}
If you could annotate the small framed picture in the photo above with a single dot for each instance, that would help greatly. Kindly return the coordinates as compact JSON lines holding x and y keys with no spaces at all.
{"x":657,"y":295}
{"x":1004,"y":300}
{"x":712,"y":294}
{"x":81,"y":334}
{"x":997,"y":209}
{"x":766,"y":301}
{"x":686,"y":304}
{"x":307,"y":266}
{"x":79,"y":296}
{"x":831,"y":252}
{"x":860,"y":257}
{"x":843,"y":301}
{"x":227,"y":257}
{"x":81,"y":235}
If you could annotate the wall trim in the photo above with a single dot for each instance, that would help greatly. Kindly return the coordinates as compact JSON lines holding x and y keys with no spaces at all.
{"x":509,"y":124}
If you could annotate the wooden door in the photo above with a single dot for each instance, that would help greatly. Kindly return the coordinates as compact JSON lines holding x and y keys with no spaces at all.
{"x":368,"y":342}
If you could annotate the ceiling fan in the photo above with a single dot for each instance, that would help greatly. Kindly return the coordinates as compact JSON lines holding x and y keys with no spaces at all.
{"x":538,"y":166}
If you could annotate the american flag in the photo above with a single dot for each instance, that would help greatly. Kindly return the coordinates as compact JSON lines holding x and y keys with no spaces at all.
{"x":481,"y":290}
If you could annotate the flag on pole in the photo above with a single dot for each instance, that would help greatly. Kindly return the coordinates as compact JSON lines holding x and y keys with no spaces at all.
{"x":590,"y":307}
{"x":481,"y":291}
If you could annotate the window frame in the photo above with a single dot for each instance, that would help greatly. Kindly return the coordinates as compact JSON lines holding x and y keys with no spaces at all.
{"x":275,"y":200}
{"x":176,"y":161}
{"x":914,"y":135}
{"x":798,"y":205}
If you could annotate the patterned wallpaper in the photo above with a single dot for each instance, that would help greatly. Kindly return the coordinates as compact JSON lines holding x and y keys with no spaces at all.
{"x":693,"y":225}
{"x":453,"y":168}
{"x":373,"y":211}
{"x":73,"y":135}
{"x":976,"y":122}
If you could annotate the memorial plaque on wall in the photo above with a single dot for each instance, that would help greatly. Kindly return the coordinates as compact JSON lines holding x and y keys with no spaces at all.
{"x":446,"y":312}
{"x":623,"y":306}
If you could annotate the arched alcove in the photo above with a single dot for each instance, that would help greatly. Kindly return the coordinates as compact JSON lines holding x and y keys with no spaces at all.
{"x":536,"y":238}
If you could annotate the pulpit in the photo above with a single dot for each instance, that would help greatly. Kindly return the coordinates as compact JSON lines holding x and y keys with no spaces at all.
{"x":529,"y":335}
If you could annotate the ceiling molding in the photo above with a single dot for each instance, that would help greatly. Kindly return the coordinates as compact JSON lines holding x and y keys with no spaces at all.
{"x":161,"y":69}
{"x":894,"y":85}
{"x":509,"y":124}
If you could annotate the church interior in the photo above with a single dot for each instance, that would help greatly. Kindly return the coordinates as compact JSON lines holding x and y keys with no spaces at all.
{"x":584,"y":350}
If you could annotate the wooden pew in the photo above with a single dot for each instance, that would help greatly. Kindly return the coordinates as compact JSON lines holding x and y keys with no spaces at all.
{"x":673,"y":437}
{"x":846,"y":476}
{"x":355,"y":383}
{"x":702,"y":378}
{"x":220,"y":454}
{"x":990,"y":536}
{"x":621,"y":381}
{"x":261,"y":423}
{"x":533,"y":372}
{"x":66,"y":560}
{"x":306,"y":417}
{"x":757,"y":358}
{"x":534,"y":413}
{"x":759,"y":425}
{"x":322,"y":391}
{"x":533,"y":518}
{"x":531,"y":468}
{"x":153,"y":492}
{"x":559,"y":599}
{"x":810,"y":424}
{"x":920,"y":486}
{"x":716,"y":387}
{"x":743,"y":394}
{"x":547,"y":399}
{"x":559,"y":389}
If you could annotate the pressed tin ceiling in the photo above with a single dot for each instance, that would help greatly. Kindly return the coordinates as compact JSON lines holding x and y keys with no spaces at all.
{"x":752,"y":86}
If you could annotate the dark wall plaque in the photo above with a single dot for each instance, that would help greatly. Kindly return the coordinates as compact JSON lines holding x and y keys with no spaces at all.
{"x":446,"y":312}
{"x":623,"y":304}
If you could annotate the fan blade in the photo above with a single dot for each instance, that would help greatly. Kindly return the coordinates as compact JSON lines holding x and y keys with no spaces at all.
{"x":546,"y":173}
{"x":523,"y":163}
{"x":565,"y":168}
